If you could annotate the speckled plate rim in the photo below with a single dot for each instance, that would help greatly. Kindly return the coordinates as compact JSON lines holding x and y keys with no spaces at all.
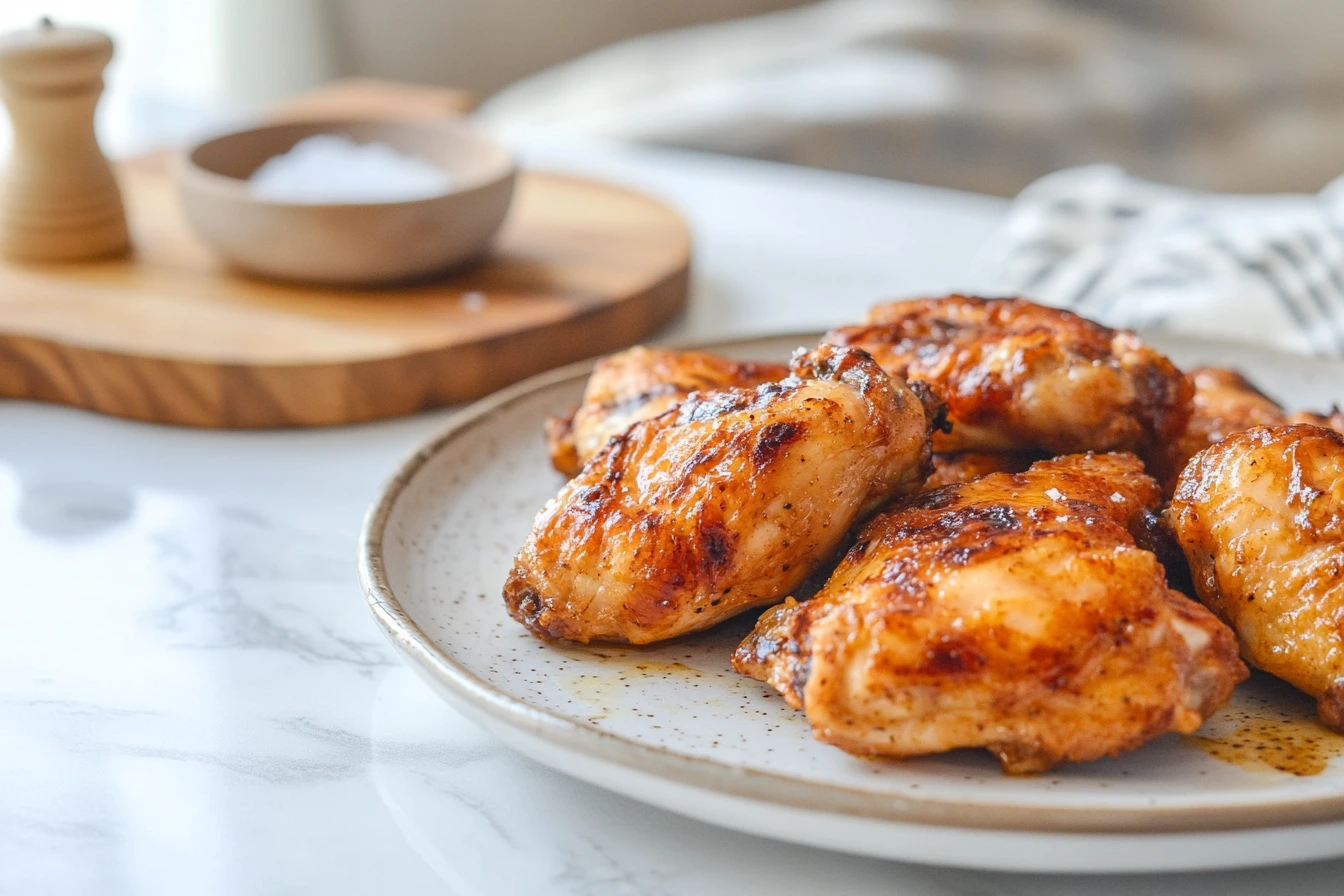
{"x":484,"y":699}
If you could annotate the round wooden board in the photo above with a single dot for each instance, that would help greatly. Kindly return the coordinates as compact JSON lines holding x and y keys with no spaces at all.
{"x":171,"y":335}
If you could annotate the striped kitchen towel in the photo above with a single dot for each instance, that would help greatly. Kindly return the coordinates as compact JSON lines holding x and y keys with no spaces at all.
{"x":1131,"y":253}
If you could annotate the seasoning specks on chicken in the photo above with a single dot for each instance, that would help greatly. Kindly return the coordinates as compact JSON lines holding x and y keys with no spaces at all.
{"x":1018,"y":376}
{"x":1013,"y":612}
{"x":1260,"y":516}
{"x":727,"y":501}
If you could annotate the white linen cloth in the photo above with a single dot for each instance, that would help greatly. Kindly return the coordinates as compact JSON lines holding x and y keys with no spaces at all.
{"x":1131,"y":253}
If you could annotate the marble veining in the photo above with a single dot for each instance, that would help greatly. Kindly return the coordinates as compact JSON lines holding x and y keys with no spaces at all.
{"x":234,"y":593}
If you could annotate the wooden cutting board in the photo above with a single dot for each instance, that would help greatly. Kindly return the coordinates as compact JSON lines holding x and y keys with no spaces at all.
{"x":171,"y":335}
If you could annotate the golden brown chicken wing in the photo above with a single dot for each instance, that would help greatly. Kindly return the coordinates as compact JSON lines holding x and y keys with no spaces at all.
{"x":1013,"y":613}
{"x":1018,"y":376}
{"x":726,"y":502}
{"x":640,"y":383}
{"x":1224,"y":402}
{"x":1260,"y":516}
{"x":963,"y":466}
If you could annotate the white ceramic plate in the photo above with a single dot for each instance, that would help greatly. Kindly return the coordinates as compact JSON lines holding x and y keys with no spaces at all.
{"x":673,"y":726}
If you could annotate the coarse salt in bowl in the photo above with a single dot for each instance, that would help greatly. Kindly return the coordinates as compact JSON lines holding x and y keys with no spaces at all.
{"x":331,"y":169}
{"x":348,"y":203}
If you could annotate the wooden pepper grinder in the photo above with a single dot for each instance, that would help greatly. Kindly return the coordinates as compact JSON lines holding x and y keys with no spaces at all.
{"x":60,"y":201}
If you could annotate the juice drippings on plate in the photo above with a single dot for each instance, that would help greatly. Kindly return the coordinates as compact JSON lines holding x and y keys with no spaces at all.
{"x":1279,"y":733}
{"x":607,"y":690}
{"x":598,"y":691}
{"x":601,"y":685}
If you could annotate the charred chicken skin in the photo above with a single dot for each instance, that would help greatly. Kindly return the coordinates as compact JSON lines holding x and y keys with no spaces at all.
{"x":1260,"y":516}
{"x":725,"y":502}
{"x":1018,"y":376}
{"x":637,"y":384}
{"x":1012,"y":612}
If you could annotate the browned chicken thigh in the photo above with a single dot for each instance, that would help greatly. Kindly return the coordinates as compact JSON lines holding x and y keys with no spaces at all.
{"x":1260,"y":516}
{"x":725,"y":502}
{"x":1014,"y":613}
{"x":637,"y":384}
{"x":1018,"y":376}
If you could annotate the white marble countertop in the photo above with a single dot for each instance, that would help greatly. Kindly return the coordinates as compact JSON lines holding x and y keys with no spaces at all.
{"x":193,"y":698}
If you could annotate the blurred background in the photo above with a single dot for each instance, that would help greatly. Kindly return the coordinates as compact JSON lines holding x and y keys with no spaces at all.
{"x":983,"y":95}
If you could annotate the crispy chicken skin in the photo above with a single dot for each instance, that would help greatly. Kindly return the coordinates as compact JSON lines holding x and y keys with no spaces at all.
{"x":963,"y":466}
{"x":1013,"y":613}
{"x":725,"y":502}
{"x":1224,"y":402}
{"x":1260,"y":516}
{"x":637,"y":384}
{"x":1018,"y":376}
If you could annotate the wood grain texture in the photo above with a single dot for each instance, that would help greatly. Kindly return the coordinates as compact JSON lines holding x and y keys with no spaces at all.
{"x":171,"y":335}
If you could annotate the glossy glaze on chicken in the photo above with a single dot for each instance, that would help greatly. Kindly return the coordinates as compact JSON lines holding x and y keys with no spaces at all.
{"x":1014,"y":613}
{"x":1018,"y":376}
{"x":1260,"y":516}
{"x":1224,"y":402}
{"x":727,"y":501}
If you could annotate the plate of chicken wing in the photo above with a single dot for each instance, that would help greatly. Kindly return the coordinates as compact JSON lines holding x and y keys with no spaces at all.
{"x":971,"y":582}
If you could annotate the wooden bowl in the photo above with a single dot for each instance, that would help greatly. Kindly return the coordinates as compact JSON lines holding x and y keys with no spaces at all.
{"x":349,"y":243}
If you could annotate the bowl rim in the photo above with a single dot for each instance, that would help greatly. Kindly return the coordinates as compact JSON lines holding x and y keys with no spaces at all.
{"x":190,"y":174}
